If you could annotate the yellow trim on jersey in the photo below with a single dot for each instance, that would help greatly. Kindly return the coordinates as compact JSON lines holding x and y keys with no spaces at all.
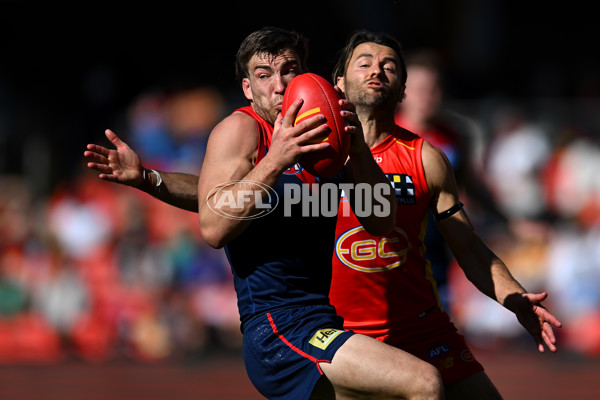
{"x":404,"y":144}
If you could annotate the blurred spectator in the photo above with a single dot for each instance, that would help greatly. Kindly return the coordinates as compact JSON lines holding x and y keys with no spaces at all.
{"x":516,"y":156}
{"x":572,"y":187}
{"x":24,"y":334}
{"x":571,"y":180}
{"x":574,"y":278}
{"x":98,"y":272}
{"x":72,"y":214}
{"x":60,"y":296}
{"x":13,"y":296}
{"x":423,"y":112}
{"x":170,"y":129}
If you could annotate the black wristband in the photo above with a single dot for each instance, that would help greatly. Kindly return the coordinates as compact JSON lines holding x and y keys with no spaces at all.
{"x":449,"y":212}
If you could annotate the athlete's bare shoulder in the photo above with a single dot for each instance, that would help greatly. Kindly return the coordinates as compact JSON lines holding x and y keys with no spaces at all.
{"x":235,"y":136}
{"x":438,"y":171}
{"x":236,"y":124}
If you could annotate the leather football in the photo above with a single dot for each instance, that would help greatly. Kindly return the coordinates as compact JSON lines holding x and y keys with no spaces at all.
{"x":320,"y":98}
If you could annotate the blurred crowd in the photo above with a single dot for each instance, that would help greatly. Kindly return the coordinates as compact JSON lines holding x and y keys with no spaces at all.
{"x":541,"y":168}
{"x":98,"y":271}
{"x":540,"y":162}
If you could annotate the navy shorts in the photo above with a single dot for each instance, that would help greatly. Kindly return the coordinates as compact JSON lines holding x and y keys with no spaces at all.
{"x":283,"y":348}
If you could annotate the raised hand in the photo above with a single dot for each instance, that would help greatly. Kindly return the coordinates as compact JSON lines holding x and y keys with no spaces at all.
{"x":535,"y":318}
{"x":120,"y":165}
{"x":353,"y":126}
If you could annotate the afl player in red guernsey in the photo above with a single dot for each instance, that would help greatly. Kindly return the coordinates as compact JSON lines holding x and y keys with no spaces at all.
{"x":383,"y":286}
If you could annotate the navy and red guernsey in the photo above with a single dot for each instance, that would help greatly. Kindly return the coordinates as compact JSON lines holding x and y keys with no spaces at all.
{"x":281,"y":266}
{"x":273,"y":269}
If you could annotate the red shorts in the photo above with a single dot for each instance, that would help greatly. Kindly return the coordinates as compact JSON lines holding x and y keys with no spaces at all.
{"x":434,"y":338}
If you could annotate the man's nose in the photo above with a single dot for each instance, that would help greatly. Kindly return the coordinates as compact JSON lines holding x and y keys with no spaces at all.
{"x":280,"y":85}
{"x":376,"y":70}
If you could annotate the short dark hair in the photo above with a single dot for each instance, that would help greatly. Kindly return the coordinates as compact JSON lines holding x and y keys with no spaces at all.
{"x":270,"y":41}
{"x":365,"y":36}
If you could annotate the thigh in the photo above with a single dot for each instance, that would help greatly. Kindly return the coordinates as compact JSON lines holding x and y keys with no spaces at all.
{"x":364,"y":366}
{"x":282,"y":349}
{"x":475,"y":387}
{"x":435,"y":339}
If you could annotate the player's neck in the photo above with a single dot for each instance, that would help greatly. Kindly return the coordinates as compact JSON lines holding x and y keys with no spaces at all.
{"x":376,"y":130}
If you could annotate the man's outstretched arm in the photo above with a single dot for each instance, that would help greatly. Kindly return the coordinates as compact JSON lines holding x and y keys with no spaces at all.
{"x":122,"y":165}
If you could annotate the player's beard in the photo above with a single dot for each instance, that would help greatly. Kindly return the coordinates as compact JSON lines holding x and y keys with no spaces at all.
{"x":266,"y":110}
{"x":378,"y":99}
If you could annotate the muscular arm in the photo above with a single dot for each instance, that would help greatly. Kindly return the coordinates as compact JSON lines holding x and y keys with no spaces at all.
{"x":230,"y":156}
{"x":481,"y":266}
{"x":177,"y":189}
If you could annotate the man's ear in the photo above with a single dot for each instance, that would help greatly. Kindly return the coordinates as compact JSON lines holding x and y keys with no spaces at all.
{"x":246,"y":88}
{"x":402,"y":94}
{"x":340,"y":83}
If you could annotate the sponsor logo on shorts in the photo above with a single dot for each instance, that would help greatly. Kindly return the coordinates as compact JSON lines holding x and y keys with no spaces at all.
{"x":324,"y":337}
{"x":446,"y":363}
{"x":438,"y":351}
{"x":467,"y":356}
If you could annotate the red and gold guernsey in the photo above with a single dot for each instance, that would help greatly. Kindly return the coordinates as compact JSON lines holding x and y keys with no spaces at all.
{"x":380,"y":283}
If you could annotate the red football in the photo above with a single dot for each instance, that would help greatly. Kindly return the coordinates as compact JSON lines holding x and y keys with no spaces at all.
{"x":320,"y":98}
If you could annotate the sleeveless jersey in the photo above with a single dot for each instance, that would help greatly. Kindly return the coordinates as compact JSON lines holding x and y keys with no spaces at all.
{"x":381,"y":281}
{"x":441,"y":135}
{"x":284,"y":258}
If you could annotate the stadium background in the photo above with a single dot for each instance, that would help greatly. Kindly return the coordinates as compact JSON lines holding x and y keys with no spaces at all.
{"x":105,"y":293}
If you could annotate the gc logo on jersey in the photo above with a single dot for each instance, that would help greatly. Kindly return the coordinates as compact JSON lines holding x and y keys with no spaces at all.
{"x":363,"y":252}
{"x":404,"y":188}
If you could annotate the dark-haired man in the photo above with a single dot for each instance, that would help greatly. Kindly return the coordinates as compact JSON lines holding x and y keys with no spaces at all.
{"x":295,"y":346}
{"x":383,"y":286}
